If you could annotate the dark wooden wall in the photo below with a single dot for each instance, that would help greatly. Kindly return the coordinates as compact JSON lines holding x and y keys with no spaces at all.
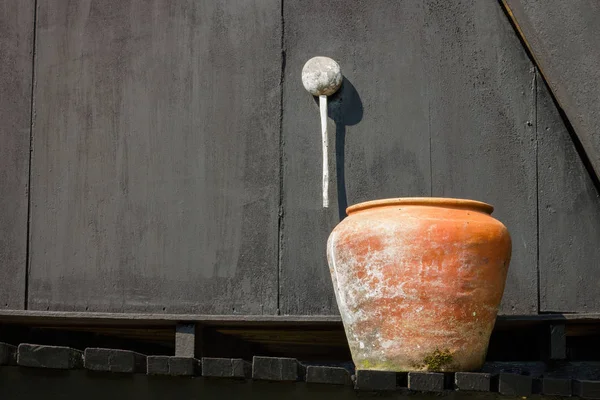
{"x":563,"y":37}
{"x":175,"y":161}
{"x":16,"y":51}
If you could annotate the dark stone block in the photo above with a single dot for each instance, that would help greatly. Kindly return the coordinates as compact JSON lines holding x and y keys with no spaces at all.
{"x":56,"y":357}
{"x":473,"y":381}
{"x":226,"y":368}
{"x":586,"y":389}
{"x":330,"y":375}
{"x":426,"y":381}
{"x":173,"y":366}
{"x":112,"y":360}
{"x":556,"y":387}
{"x":515,"y":385}
{"x":8,"y":354}
{"x":375,"y":380}
{"x":276,"y":369}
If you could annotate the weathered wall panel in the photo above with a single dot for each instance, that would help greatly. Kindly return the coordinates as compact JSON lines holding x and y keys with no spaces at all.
{"x":563,"y":38}
{"x":16,"y":48}
{"x":155,"y":168}
{"x":442,"y":102}
{"x":380,"y":126}
{"x":569,"y":208}
{"x":482,"y":113}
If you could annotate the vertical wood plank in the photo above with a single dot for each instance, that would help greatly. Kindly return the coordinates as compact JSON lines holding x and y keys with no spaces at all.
{"x":379,"y":126}
{"x":482,"y":128}
{"x":16,"y":48}
{"x":569,"y":208}
{"x":156,"y":156}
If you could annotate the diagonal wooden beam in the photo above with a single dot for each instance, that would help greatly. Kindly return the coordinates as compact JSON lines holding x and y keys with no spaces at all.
{"x":562,"y":37}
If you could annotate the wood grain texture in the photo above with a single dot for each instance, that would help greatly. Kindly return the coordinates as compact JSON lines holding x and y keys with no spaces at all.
{"x":16,"y":48}
{"x":482,"y":113}
{"x":441,"y":102}
{"x":563,"y":39}
{"x":156,"y":156}
{"x":378,"y":124}
{"x":569,"y":209}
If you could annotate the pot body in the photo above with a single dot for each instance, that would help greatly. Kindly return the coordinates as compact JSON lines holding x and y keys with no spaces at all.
{"x":418,"y":282}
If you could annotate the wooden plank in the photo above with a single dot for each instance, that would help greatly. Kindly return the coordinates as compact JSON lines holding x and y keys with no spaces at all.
{"x":563,"y":38}
{"x":482,"y":105}
{"x":156,"y":157}
{"x":381,"y":136}
{"x":16,"y":47}
{"x":569,"y":211}
{"x":88,"y":319}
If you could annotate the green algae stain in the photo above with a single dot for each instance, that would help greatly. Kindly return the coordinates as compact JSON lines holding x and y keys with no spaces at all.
{"x":378,"y":365}
{"x":437,"y":360}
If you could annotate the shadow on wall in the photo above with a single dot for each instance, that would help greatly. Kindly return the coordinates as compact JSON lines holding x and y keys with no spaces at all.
{"x":345,"y":109}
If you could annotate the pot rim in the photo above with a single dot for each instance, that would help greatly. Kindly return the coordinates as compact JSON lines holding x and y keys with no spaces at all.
{"x":423,"y":201}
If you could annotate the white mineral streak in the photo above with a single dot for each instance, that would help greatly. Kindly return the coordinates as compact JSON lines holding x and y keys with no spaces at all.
{"x":352,"y":293}
{"x":340,"y":295}
{"x":325,"y":141}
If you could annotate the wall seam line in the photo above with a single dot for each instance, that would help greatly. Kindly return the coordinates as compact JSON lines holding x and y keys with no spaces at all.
{"x":31,"y":122}
{"x":280,"y":221}
{"x":537,"y":185}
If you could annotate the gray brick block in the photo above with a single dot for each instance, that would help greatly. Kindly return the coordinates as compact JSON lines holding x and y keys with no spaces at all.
{"x":113,"y":360}
{"x":426,"y":381}
{"x":276,"y":369}
{"x":473,"y":381}
{"x":329,"y":375}
{"x":375,"y":380}
{"x":515,"y":385}
{"x":55,"y":357}
{"x":173,"y":366}
{"x":226,"y":368}
{"x":8,"y":354}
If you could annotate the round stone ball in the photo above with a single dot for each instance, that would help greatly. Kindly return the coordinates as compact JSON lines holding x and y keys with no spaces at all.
{"x":321,"y":76}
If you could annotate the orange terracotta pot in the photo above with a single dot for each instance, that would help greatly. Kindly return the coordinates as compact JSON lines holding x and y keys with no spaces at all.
{"x":418,"y":282}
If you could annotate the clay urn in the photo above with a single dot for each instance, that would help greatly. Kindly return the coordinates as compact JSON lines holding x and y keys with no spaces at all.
{"x":418,"y":282}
